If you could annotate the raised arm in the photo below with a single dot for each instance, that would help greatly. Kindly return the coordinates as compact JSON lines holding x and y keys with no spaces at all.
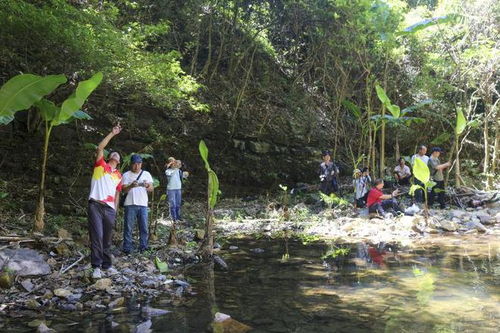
{"x":100,"y":147}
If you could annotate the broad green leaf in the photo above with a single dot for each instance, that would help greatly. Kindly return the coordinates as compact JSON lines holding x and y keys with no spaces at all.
{"x":73,"y":103}
{"x":352,"y":107}
{"x":82,"y":115}
{"x":461,"y":123}
{"x":393,"y":109}
{"x":473,"y":123}
{"x":430,"y":184}
{"x":382,"y":95}
{"x":421,"y":171}
{"x":5,"y":120}
{"x":213,"y":187}
{"x":204,"y":153}
{"x":162,"y":266}
{"x":22,"y":91}
{"x":48,"y":110}
{"x":413,"y":188}
{"x":3,"y":195}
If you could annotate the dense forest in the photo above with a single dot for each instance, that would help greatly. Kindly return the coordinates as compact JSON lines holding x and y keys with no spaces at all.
{"x":267,"y":84}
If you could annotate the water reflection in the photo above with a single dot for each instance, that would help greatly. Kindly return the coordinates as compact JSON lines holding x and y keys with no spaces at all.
{"x":448,"y":286}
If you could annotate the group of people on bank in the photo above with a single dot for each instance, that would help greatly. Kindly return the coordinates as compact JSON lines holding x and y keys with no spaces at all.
{"x":369,"y":193}
{"x":110,"y":189}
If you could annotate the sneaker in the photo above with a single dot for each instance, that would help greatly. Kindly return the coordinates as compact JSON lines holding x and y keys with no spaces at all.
{"x":111,"y":271}
{"x":97,"y":274}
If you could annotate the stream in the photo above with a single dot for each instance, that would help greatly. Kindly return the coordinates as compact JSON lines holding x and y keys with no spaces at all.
{"x":446,"y":285}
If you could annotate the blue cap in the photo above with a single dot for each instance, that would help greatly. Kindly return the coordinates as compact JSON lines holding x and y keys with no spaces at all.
{"x":136,"y":159}
{"x":326,"y":152}
{"x":437,"y":149}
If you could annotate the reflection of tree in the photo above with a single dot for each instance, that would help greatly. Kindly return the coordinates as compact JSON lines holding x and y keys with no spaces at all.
{"x":209,"y":278}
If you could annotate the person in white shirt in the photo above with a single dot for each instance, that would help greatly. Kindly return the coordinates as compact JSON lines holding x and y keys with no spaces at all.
{"x":402,"y":172}
{"x":419,"y":194}
{"x":136,"y":184}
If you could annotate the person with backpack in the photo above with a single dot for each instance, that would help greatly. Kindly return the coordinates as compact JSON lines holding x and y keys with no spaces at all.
{"x":436,"y":169}
{"x":137,"y":183}
{"x":174,"y":187}
{"x":361,"y":184}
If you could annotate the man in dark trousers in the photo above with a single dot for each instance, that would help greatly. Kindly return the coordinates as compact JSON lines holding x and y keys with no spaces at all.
{"x":104,"y":196}
{"x":328,"y":172}
{"x":436,"y":169}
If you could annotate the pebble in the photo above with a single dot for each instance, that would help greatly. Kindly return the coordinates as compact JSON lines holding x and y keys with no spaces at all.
{"x":233,"y":247}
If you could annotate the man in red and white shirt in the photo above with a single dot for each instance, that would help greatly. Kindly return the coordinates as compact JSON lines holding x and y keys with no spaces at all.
{"x":377,"y":201}
{"x":105,"y":188}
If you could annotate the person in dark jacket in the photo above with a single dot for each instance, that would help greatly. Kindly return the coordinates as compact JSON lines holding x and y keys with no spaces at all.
{"x":328,"y":173}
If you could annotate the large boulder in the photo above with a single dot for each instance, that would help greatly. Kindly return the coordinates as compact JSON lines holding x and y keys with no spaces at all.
{"x":484,"y":217}
{"x":24,"y":262}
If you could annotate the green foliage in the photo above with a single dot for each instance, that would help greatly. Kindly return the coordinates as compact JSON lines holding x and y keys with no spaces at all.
{"x":335,"y":252}
{"x":333,"y":199}
{"x":22,"y":91}
{"x":421,"y":171}
{"x":213,"y":181}
{"x":461,"y":122}
{"x":161,"y":265}
{"x":394,"y":109}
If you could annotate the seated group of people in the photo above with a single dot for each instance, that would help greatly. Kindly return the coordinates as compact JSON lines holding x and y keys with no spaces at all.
{"x":379,"y":203}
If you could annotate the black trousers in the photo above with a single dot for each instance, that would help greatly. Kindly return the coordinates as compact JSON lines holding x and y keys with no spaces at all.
{"x":437,"y":190}
{"x":101,"y":222}
{"x":380,"y":207}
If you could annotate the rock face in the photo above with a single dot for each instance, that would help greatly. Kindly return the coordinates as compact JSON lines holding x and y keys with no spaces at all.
{"x":24,"y":262}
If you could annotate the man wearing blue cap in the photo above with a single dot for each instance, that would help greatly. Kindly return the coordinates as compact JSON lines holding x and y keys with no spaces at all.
{"x":436,"y":169}
{"x":136,"y":184}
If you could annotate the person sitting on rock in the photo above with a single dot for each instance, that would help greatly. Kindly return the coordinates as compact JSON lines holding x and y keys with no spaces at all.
{"x":402,"y":172}
{"x":327,"y":174}
{"x":378,"y":202}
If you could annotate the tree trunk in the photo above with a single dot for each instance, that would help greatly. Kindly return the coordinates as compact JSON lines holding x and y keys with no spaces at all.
{"x":486,"y":162}
{"x":457,"y":163}
{"x":493,"y":170}
{"x":40,"y":208}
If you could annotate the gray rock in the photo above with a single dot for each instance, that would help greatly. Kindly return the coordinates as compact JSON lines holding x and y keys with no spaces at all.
{"x":42,"y":328}
{"x":233,"y":247}
{"x":257,"y":250}
{"x":144,"y":327}
{"x":153,"y":311}
{"x":475,"y":225}
{"x":485,"y":218}
{"x":27,"y":285}
{"x":61,"y":292}
{"x":148,"y":283}
{"x":448,"y":225}
{"x":24,"y":262}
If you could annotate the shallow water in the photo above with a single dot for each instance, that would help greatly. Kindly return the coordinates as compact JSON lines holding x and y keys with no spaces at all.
{"x":451,"y":286}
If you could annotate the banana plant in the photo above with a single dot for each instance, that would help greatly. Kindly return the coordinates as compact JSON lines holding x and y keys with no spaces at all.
{"x":212,"y":196}
{"x":24,"y":90}
{"x":422,"y":173}
{"x":54,"y":115}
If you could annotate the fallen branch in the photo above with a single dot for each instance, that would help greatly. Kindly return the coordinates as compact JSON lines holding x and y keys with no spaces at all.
{"x":62,"y":271}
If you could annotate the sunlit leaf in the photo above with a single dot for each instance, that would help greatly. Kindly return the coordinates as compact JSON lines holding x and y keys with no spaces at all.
{"x":22,"y":91}
{"x":421,"y":170}
{"x":73,"y":103}
{"x":48,"y":110}
{"x":461,"y":122}
{"x":441,"y":138}
{"x":161,"y":265}
{"x":352,"y":107}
